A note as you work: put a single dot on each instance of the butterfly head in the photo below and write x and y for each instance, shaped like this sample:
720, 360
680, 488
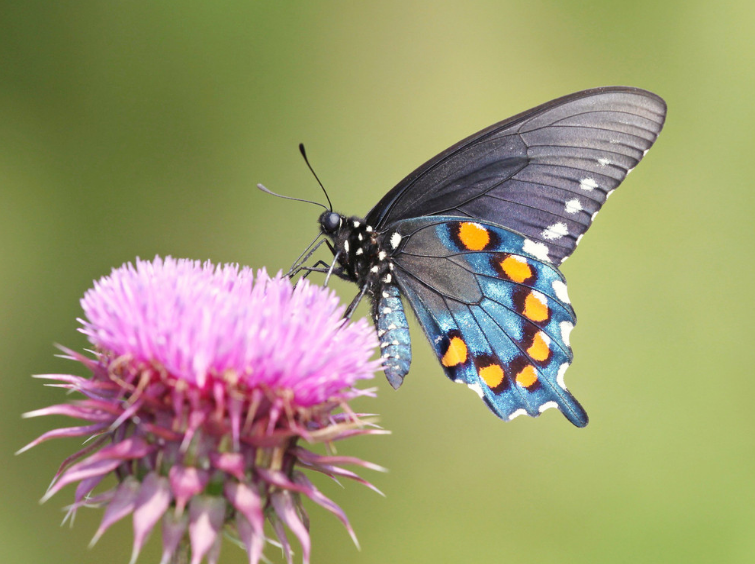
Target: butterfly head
330, 222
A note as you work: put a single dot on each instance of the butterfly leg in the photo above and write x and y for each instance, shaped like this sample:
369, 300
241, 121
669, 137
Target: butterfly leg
304, 257
355, 302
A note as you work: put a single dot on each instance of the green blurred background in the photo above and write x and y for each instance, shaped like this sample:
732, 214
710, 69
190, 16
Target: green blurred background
139, 128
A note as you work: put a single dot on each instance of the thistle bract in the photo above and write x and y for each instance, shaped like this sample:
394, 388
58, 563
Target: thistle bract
207, 385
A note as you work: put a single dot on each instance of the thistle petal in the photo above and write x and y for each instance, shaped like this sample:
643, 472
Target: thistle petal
122, 504
151, 503
186, 482
284, 507
174, 528
206, 515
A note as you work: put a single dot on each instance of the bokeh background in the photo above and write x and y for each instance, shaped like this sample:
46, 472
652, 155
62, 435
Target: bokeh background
140, 128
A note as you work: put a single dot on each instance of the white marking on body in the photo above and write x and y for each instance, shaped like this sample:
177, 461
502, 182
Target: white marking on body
382, 255
604, 162
387, 279
566, 328
547, 405
560, 289
560, 375
573, 206
395, 240
360, 251
476, 388
346, 246
517, 413
588, 184
386, 310
555, 231
537, 250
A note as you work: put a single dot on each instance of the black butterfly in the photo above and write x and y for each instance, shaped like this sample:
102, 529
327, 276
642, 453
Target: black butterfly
473, 237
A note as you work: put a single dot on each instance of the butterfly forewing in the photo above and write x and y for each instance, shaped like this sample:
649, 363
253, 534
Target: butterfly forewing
544, 173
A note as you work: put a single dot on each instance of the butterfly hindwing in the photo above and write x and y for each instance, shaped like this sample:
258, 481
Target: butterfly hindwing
498, 317
544, 173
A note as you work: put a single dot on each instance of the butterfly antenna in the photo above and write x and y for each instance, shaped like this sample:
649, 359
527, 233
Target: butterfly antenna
306, 160
268, 191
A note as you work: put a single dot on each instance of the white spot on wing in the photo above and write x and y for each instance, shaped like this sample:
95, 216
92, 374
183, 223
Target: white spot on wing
560, 375
368, 229
594, 216
603, 162
560, 289
395, 240
566, 328
579, 239
537, 250
517, 413
356, 223
386, 310
382, 255
346, 246
360, 250
374, 269
540, 297
608, 195
555, 231
547, 405
476, 388
573, 206
588, 184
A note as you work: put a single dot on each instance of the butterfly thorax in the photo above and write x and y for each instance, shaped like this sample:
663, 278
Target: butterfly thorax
359, 252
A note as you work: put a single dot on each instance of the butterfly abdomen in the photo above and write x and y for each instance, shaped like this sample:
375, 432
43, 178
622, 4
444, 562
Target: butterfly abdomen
393, 332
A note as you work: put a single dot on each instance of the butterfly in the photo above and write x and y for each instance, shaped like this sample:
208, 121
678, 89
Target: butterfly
473, 238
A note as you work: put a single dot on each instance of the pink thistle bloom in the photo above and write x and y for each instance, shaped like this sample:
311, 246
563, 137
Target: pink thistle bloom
206, 383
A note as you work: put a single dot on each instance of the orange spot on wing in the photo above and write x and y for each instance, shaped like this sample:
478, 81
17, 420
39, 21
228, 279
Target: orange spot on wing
516, 268
473, 236
527, 377
536, 307
456, 353
540, 349
492, 375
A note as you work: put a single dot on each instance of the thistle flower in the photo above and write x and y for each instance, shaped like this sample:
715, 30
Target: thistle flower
205, 383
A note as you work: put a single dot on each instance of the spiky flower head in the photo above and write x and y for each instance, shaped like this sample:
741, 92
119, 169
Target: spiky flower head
206, 381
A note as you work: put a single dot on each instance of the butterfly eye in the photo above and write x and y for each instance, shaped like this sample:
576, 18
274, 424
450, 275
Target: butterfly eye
330, 222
